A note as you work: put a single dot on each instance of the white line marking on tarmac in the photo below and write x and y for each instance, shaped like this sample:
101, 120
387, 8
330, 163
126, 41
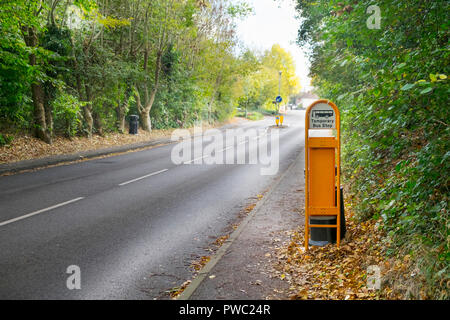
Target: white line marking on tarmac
39, 211
206, 156
190, 161
224, 149
242, 141
143, 177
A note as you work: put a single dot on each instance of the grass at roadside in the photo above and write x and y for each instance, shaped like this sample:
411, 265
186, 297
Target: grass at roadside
251, 115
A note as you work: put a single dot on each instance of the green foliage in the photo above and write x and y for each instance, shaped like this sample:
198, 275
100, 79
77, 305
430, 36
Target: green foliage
95, 62
392, 88
99, 53
67, 116
5, 139
255, 116
15, 72
260, 84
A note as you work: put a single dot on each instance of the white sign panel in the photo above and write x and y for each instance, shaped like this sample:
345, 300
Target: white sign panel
322, 116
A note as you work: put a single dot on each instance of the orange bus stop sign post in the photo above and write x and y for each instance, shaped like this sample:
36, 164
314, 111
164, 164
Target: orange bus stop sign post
322, 157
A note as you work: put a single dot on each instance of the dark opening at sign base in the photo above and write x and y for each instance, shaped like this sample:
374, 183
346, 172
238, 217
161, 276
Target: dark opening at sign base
324, 236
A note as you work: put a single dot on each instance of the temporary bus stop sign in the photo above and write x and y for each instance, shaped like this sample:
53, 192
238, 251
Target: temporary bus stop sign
322, 157
322, 116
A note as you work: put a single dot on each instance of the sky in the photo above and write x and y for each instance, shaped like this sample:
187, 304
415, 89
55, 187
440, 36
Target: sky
273, 21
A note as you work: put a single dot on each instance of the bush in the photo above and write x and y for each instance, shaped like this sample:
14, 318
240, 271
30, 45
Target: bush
392, 89
255, 116
67, 115
5, 140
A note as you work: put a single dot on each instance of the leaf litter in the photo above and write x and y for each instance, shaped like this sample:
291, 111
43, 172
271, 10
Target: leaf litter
336, 273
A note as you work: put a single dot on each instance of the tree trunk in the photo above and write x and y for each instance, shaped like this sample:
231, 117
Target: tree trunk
144, 111
120, 124
48, 114
37, 91
121, 110
98, 123
87, 112
144, 117
87, 109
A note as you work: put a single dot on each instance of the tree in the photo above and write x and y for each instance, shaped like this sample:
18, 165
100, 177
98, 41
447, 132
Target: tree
81, 66
24, 17
258, 85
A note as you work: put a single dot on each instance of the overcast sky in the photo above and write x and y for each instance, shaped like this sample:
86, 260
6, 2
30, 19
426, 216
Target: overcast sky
275, 22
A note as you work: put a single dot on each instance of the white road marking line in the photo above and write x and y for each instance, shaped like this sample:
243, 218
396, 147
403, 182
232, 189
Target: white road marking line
206, 156
240, 142
143, 177
190, 161
39, 211
226, 148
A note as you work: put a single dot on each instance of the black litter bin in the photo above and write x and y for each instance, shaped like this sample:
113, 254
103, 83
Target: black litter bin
134, 124
323, 236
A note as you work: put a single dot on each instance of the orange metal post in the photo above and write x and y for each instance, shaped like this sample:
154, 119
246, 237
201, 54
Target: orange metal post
322, 156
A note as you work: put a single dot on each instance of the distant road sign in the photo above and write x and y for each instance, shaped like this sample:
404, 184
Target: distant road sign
278, 99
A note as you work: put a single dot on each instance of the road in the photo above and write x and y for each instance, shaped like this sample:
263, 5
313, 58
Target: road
132, 223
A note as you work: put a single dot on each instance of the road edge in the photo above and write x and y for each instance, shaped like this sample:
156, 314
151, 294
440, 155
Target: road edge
16, 167
61, 159
197, 281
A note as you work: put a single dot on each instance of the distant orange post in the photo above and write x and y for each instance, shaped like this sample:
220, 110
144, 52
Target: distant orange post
322, 156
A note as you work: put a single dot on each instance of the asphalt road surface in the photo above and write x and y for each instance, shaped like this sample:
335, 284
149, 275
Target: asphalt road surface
131, 223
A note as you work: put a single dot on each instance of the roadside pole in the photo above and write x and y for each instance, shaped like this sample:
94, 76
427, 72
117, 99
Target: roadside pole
279, 90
